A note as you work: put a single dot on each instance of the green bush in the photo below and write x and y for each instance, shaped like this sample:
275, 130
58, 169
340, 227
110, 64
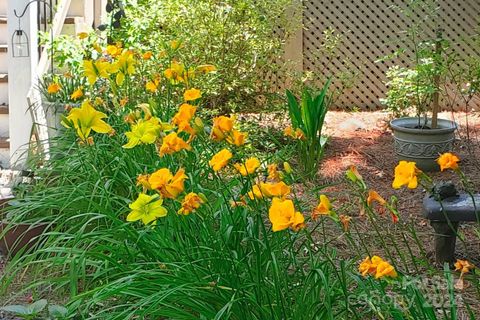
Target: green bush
243, 39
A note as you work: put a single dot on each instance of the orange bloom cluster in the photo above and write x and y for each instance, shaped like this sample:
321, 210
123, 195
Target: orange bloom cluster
377, 267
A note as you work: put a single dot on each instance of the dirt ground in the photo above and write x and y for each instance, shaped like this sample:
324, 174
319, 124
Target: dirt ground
364, 139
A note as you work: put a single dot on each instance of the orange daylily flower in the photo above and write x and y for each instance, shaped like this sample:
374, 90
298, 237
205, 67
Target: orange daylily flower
220, 159
282, 215
295, 134
279, 189
353, 174
377, 267
249, 167
374, 196
183, 117
448, 161
406, 174
464, 266
221, 127
192, 94
169, 186
77, 94
190, 203
142, 180
172, 143
53, 88
323, 208
237, 138
273, 173
147, 55
345, 221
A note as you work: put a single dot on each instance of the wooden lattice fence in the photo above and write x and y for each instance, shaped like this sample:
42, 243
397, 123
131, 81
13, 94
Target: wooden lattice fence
372, 29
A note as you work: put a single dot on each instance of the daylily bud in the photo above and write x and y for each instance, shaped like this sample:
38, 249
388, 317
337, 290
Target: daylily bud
198, 125
287, 167
203, 197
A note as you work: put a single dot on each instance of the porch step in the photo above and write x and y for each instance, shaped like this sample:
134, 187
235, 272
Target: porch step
4, 143
68, 19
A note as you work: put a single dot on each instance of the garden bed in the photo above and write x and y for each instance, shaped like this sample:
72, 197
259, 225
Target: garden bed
363, 139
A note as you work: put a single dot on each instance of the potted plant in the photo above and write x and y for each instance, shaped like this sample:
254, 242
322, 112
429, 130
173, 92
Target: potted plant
22, 236
423, 137
59, 93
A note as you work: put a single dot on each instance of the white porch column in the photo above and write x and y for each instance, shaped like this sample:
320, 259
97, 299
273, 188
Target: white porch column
20, 74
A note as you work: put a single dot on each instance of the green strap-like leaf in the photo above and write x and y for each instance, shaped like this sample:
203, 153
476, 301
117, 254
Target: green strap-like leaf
294, 110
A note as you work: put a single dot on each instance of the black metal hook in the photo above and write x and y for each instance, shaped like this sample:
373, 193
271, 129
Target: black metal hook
28, 4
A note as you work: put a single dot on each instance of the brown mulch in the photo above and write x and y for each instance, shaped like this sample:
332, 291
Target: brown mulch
371, 151
364, 139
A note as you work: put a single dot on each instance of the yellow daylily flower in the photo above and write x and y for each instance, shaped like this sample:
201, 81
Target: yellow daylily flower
113, 50
95, 69
385, 269
405, 174
146, 208
448, 161
206, 68
256, 193
220, 159
282, 215
151, 86
82, 35
142, 132
287, 167
85, 119
249, 167
175, 73
175, 44
125, 65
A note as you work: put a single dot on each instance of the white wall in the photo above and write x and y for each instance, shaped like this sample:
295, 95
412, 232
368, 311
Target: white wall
20, 73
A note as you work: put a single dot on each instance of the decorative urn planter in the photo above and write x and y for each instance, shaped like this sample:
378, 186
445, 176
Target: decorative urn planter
53, 114
22, 236
422, 146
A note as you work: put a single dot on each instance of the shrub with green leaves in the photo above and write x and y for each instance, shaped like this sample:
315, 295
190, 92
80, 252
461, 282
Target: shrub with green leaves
244, 39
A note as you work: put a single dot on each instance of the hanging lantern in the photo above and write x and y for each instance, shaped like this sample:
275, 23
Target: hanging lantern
20, 44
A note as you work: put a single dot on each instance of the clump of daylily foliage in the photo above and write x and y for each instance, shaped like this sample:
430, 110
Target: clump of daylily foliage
175, 215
